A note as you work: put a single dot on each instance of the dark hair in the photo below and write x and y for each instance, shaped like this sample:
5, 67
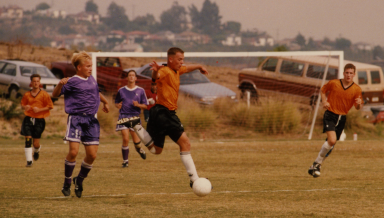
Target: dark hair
350, 66
35, 75
174, 50
131, 71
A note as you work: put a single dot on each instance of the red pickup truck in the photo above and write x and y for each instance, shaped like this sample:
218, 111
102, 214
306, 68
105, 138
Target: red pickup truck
110, 74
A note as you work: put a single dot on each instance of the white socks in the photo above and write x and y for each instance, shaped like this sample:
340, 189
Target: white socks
28, 153
36, 150
324, 150
187, 160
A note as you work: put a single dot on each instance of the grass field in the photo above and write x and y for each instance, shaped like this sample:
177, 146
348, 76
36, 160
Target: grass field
250, 179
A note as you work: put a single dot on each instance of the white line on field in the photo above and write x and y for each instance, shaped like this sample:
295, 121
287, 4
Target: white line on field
185, 193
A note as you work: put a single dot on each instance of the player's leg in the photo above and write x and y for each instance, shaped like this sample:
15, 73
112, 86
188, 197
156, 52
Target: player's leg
26, 131
69, 166
186, 158
124, 147
137, 142
86, 166
327, 147
36, 148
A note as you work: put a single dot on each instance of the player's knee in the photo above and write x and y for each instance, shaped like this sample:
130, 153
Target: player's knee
331, 142
72, 154
28, 142
91, 156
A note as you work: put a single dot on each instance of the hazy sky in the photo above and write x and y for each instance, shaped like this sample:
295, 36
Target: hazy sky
357, 20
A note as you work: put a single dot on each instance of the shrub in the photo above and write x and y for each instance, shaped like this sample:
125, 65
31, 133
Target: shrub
10, 109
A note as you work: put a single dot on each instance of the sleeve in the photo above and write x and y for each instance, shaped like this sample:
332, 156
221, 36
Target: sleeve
326, 87
48, 101
24, 100
163, 73
182, 70
143, 98
118, 97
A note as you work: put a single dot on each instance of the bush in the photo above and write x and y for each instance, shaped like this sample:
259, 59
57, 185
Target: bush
10, 109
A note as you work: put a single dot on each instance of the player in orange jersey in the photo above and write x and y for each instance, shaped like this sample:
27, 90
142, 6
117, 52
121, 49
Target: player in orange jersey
163, 120
36, 105
338, 97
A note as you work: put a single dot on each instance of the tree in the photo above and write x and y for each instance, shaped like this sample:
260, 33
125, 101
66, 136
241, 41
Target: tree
66, 30
174, 19
232, 27
42, 6
311, 45
145, 23
378, 53
208, 21
342, 43
300, 40
116, 18
90, 6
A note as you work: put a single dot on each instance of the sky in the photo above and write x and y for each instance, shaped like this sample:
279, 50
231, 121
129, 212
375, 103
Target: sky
356, 20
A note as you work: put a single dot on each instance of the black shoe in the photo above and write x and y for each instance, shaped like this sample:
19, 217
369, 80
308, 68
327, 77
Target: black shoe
36, 156
314, 170
66, 189
78, 188
125, 164
141, 152
29, 164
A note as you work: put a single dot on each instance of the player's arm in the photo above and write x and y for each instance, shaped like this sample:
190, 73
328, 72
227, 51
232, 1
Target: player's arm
324, 100
358, 102
192, 67
56, 92
119, 105
141, 106
155, 70
105, 102
38, 110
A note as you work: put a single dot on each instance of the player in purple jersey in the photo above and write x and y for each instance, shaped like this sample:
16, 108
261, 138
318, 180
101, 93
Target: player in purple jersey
82, 100
130, 99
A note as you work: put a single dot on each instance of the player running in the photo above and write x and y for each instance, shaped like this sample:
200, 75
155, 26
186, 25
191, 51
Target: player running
36, 105
82, 100
162, 117
338, 97
130, 99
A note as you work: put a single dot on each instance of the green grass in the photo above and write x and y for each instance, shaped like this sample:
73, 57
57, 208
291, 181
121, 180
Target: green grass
250, 179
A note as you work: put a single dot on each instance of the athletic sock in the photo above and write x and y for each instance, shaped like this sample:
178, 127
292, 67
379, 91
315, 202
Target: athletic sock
28, 153
125, 153
323, 151
137, 144
187, 160
69, 166
85, 168
36, 150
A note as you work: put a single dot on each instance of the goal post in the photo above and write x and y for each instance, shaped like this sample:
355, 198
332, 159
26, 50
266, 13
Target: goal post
250, 61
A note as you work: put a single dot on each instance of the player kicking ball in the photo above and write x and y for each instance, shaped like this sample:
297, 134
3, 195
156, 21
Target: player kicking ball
82, 99
163, 120
338, 97
130, 99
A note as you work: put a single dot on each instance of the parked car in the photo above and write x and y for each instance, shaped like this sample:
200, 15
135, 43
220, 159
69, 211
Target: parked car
15, 77
110, 76
193, 84
301, 76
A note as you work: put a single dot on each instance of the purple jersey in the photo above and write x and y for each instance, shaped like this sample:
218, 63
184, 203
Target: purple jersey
127, 96
81, 95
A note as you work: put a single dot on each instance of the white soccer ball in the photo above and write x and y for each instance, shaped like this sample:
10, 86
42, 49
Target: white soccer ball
201, 187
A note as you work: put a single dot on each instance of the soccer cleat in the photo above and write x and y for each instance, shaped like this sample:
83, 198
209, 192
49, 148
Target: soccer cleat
36, 156
29, 164
78, 188
125, 164
141, 152
129, 122
314, 170
66, 189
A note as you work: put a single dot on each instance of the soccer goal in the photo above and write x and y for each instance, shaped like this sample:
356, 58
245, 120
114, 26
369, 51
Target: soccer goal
266, 95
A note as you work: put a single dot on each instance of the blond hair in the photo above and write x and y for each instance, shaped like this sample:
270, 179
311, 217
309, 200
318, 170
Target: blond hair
80, 58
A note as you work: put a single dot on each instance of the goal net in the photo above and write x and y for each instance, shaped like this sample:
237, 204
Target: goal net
247, 95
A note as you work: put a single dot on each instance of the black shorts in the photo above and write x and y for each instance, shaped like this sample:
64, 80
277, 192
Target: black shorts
33, 127
163, 122
334, 122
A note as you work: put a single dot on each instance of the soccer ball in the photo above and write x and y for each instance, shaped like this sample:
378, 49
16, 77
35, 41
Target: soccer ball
201, 187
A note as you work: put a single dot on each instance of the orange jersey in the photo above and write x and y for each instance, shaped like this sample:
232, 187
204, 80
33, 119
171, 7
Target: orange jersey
168, 83
41, 100
340, 99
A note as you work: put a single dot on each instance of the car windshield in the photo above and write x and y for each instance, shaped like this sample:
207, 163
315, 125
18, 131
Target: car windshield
42, 71
193, 77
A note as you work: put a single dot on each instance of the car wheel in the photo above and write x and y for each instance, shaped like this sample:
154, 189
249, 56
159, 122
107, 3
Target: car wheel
254, 97
13, 94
